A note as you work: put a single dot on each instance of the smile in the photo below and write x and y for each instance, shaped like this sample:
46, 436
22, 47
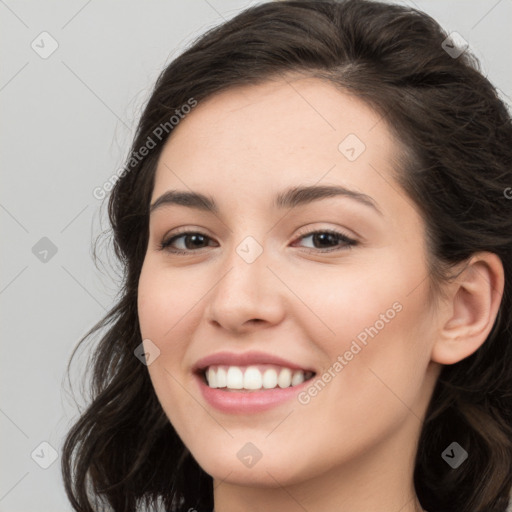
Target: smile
249, 382
254, 377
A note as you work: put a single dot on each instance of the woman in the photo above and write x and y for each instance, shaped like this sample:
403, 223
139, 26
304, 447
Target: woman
316, 231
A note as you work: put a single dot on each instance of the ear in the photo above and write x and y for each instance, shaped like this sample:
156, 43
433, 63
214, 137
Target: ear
471, 307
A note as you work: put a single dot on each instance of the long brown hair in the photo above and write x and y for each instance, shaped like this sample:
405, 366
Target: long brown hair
122, 452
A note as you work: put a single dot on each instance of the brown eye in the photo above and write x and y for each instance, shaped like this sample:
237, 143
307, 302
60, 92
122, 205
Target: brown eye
192, 240
330, 239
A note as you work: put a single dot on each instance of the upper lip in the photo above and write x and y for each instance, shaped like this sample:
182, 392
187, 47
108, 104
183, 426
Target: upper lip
245, 359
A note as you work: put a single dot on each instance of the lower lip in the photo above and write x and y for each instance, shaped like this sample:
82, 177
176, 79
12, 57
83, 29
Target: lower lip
244, 402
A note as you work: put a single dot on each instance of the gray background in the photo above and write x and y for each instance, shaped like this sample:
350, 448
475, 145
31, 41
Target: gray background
67, 123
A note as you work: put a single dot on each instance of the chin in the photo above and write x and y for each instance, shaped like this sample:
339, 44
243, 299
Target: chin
266, 472
262, 476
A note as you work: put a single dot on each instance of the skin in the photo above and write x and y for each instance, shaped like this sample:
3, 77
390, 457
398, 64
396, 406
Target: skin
352, 447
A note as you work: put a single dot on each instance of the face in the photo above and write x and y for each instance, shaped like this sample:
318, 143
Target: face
336, 285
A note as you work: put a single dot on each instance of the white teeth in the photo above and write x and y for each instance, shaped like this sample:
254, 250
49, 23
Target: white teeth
212, 378
234, 378
221, 377
297, 378
254, 377
285, 378
270, 379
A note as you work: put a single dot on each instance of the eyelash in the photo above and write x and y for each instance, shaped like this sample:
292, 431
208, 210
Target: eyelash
349, 242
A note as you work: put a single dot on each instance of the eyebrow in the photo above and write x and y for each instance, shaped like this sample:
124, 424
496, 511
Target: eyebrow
291, 198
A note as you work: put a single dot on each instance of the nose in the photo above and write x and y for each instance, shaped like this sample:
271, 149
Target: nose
248, 296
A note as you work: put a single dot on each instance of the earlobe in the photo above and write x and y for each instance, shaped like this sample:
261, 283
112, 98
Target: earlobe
473, 302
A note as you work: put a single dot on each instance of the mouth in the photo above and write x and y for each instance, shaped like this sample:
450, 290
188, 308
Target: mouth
253, 378
250, 382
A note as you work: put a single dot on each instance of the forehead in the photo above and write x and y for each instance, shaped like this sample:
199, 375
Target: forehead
266, 137
294, 111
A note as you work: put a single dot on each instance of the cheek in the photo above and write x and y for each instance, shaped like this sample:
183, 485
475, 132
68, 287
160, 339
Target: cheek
379, 332
166, 303
357, 301
165, 309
